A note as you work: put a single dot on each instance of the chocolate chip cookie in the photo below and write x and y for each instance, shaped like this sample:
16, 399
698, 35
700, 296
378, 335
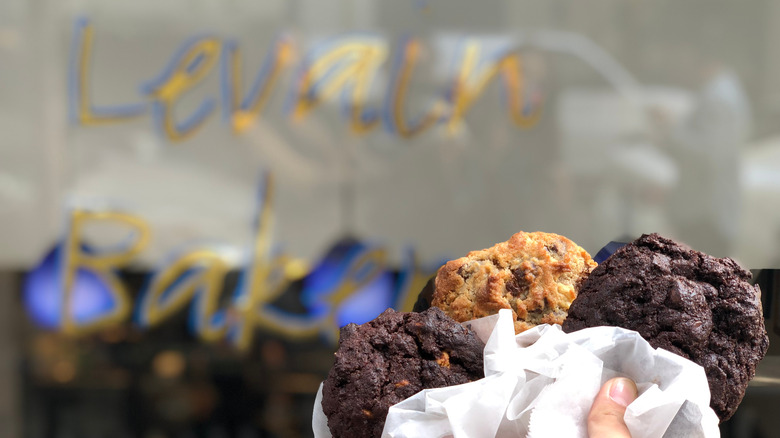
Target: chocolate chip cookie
536, 275
698, 306
391, 358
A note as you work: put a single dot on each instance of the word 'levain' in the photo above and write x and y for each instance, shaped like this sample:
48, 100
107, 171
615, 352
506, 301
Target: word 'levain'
343, 67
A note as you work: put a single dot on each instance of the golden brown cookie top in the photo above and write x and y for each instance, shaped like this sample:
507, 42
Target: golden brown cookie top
534, 274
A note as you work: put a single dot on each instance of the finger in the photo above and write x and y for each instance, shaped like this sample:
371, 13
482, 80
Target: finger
606, 416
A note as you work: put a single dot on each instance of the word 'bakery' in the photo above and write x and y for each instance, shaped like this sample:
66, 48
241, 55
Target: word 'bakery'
196, 277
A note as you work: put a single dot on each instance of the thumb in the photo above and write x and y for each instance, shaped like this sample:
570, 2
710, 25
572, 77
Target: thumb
606, 415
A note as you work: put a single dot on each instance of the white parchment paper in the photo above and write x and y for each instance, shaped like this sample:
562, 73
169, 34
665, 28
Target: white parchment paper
542, 382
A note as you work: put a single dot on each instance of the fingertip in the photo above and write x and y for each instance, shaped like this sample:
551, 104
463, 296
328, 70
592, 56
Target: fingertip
605, 419
622, 391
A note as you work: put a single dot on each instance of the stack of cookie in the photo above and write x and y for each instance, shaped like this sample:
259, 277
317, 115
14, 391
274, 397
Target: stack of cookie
697, 306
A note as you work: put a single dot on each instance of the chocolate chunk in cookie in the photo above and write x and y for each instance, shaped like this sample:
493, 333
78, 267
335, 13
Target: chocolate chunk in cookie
698, 306
536, 275
391, 358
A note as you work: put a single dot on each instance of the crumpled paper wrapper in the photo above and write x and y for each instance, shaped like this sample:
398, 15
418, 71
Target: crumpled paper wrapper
542, 382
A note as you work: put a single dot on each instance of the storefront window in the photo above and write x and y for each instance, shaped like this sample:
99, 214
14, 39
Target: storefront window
185, 186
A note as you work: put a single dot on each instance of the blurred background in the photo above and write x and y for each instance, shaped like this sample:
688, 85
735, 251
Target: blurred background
196, 194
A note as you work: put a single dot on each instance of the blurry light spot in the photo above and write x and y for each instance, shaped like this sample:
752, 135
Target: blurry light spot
112, 335
300, 383
45, 345
168, 364
765, 381
63, 371
345, 261
91, 297
274, 354
277, 412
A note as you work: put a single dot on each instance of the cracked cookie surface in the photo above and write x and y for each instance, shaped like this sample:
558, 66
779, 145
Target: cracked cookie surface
698, 306
391, 358
536, 275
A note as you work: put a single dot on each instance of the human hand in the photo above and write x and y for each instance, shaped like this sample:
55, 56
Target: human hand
605, 419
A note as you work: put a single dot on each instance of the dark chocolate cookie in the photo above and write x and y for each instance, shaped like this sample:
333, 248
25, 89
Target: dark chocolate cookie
698, 306
384, 361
